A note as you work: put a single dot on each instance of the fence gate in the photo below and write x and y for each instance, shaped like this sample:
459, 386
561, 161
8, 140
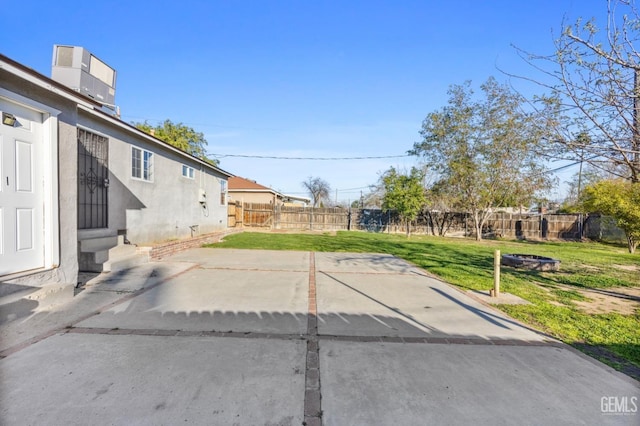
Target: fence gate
234, 215
231, 215
258, 214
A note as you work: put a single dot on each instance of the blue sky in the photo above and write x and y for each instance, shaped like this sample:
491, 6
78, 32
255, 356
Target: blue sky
295, 78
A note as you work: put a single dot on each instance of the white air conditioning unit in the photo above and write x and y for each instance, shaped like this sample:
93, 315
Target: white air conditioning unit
78, 69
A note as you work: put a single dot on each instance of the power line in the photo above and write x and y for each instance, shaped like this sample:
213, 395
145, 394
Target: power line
269, 157
221, 126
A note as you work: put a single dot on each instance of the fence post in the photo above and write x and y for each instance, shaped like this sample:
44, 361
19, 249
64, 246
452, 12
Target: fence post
580, 226
389, 222
276, 216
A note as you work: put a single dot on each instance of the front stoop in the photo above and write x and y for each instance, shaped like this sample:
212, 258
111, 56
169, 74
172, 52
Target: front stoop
108, 254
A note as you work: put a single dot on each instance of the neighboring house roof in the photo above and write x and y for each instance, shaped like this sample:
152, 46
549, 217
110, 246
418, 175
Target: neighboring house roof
91, 106
237, 183
240, 184
294, 198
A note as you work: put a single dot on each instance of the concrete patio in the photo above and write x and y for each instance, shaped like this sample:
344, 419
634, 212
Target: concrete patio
212, 336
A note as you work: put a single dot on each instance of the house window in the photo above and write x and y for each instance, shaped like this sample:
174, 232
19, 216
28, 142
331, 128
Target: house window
141, 164
187, 172
223, 192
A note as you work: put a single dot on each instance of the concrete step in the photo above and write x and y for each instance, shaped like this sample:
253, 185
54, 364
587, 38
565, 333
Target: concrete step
99, 254
19, 301
125, 262
122, 250
98, 244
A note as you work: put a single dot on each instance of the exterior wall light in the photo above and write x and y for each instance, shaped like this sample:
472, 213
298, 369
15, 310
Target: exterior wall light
8, 119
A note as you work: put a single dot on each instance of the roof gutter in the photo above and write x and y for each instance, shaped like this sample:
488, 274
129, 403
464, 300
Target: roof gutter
88, 105
132, 129
44, 82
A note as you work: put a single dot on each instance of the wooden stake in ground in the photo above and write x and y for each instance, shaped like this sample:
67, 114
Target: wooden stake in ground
495, 291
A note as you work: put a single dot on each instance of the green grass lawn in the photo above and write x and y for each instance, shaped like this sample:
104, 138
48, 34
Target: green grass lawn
468, 264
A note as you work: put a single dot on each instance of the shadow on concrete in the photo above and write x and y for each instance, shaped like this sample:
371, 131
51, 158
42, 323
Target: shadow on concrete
17, 309
408, 318
487, 316
23, 319
607, 353
217, 305
274, 325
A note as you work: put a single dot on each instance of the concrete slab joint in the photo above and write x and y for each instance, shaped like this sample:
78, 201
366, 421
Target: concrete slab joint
312, 393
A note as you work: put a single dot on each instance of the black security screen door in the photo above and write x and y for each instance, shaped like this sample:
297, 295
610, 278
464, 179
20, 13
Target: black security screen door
93, 180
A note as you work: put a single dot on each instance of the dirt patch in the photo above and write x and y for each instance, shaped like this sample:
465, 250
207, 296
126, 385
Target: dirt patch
590, 268
621, 300
630, 268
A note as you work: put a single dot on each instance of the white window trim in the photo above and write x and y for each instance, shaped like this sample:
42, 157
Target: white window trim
142, 152
189, 169
224, 188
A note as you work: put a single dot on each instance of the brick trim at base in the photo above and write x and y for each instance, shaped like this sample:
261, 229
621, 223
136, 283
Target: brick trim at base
167, 249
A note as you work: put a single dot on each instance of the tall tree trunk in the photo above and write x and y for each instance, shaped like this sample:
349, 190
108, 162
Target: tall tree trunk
477, 224
635, 145
432, 223
632, 244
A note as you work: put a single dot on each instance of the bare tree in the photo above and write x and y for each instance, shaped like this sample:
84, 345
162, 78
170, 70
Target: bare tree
318, 189
594, 80
439, 208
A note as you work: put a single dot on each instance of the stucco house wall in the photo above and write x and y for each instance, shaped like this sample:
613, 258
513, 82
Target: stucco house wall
166, 207
169, 207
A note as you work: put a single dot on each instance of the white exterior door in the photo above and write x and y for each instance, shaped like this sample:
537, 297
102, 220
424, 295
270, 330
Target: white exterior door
21, 190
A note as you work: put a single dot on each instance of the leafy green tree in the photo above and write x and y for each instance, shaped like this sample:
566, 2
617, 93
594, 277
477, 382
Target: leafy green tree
485, 151
620, 199
578, 182
180, 136
441, 206
404, 193
318, 188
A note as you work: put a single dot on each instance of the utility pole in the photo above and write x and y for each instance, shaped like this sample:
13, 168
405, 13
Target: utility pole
578, 194
580, 175
582, 141
635, 143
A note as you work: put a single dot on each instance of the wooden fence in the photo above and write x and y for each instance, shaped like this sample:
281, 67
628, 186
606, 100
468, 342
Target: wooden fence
500, 224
